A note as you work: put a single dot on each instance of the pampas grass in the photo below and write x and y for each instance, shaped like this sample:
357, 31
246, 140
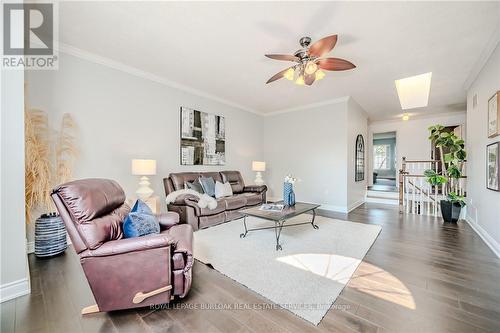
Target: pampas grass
37, 162
41, 175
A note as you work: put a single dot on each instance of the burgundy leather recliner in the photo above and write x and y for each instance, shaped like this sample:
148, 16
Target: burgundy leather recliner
123, 272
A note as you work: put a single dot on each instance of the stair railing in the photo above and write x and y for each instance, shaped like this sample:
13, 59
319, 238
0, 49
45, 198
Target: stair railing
416, 195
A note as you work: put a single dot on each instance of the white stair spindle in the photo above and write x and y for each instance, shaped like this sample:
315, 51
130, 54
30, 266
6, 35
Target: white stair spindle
413, 196
428, 189
407, 195
421, 195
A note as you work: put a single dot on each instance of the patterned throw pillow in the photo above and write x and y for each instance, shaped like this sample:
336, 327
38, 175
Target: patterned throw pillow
195, 185
140, 221
208, 185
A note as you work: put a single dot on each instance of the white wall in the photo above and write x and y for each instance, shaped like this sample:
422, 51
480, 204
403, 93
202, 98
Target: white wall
357, 123
14, 276
308, 145
483, 209
411, 136
121, 116
316, 145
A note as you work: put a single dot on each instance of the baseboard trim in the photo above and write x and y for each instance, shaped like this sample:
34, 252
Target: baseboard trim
333, 208
490, 242
14, 289
355, 205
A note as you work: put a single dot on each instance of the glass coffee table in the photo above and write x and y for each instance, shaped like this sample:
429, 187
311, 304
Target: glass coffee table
279, 218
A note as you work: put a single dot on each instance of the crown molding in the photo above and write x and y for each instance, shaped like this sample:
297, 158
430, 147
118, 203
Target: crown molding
492, 44
308, 106
362, 109
104, 61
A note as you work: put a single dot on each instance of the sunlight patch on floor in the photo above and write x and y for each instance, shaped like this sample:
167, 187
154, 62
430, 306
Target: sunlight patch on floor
377, 282
334, 267
368, 278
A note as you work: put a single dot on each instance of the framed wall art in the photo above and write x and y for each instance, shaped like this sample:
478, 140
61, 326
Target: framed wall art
494, 115
492, 166
203, 138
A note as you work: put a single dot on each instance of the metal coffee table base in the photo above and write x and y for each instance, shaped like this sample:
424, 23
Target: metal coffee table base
278, 226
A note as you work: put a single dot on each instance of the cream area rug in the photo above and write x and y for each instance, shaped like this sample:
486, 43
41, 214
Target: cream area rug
306, 276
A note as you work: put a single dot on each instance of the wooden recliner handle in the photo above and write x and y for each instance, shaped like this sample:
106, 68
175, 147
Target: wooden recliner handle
140, 296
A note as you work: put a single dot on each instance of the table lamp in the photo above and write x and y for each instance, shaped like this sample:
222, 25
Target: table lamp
259, 167
144, 168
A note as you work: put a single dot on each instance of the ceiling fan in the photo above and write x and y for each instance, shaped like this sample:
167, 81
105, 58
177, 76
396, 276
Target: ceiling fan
309, 62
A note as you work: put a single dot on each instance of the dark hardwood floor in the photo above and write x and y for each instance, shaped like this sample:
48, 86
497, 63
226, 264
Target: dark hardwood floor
419, 276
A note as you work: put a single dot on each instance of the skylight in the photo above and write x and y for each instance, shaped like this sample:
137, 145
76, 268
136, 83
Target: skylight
413, 91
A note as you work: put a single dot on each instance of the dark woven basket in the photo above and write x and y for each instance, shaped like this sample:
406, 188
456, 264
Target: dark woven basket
50, 236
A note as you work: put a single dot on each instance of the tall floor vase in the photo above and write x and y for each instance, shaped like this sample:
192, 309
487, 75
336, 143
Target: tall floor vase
50, 235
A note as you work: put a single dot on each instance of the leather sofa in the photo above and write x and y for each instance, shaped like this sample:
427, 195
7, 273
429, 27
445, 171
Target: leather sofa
227, 208
123, 272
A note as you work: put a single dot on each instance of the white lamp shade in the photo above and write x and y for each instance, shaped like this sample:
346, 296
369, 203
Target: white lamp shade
144, 167
258, 166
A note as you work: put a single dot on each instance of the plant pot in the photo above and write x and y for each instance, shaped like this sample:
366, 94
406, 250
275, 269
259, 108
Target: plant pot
50, 235
450, 211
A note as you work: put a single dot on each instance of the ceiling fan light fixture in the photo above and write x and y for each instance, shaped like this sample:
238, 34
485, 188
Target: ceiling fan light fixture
310, 62
319, 75
289, 74
300, 80
311, 67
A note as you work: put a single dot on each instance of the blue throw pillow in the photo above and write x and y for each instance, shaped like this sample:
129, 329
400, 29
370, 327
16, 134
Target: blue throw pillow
140, 221
208, 185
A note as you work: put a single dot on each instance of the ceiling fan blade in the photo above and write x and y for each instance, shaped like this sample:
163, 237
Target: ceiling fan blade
309, 79
278, 75
322, 46
284, 57
335, 64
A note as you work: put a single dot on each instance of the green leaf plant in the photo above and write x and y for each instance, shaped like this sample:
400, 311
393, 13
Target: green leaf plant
453, 155
455, 198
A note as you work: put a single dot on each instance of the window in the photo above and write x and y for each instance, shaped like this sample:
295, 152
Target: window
381, 157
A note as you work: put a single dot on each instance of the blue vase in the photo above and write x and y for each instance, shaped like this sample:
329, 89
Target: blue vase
288, 194
291, 198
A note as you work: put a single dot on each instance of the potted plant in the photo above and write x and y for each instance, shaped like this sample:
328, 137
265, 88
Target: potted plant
452, 155
48, 162
451, 207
